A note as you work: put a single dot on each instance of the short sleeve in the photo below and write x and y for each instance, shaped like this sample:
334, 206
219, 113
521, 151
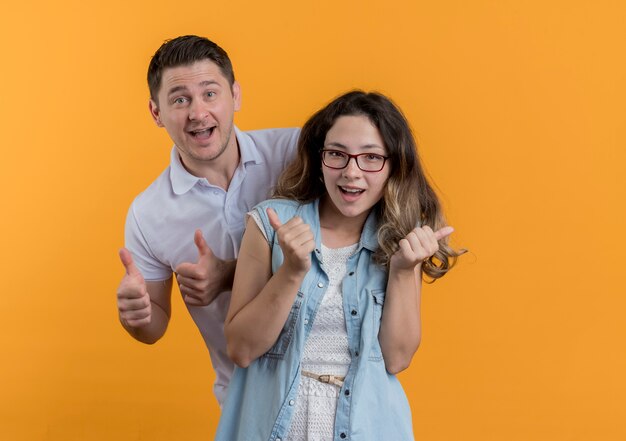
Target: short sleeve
151, 268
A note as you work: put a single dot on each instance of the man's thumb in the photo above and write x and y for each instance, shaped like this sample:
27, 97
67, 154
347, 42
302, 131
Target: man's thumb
203, 247
129, 264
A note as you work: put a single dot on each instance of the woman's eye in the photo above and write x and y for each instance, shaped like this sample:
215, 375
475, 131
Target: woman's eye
374, 158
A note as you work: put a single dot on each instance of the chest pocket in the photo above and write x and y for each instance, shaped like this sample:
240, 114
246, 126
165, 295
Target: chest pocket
378, 299
286, 334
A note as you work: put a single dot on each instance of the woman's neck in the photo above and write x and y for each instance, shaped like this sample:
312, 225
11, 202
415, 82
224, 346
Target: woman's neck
338, 230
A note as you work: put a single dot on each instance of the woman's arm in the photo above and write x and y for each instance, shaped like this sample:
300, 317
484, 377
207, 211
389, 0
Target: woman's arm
260, 302
401, 328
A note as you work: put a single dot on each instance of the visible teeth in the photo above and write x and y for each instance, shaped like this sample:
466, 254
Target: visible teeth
351, 190
198, 132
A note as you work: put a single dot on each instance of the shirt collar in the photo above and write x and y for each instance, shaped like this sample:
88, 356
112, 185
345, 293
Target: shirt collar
183, 181
369, 236
247, 149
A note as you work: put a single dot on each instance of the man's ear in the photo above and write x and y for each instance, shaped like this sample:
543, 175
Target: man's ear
155, 112
237, 96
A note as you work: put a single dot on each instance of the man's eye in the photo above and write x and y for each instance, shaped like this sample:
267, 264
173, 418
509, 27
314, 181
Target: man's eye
210, 94
180, 100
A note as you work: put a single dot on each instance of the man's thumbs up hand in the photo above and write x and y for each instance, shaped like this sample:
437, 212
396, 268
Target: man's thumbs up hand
201, 282
133, 300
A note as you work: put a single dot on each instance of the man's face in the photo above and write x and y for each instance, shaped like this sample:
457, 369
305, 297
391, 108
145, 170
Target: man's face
196, 106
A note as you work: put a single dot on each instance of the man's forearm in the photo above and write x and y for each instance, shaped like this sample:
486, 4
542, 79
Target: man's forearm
159, 312
151, 332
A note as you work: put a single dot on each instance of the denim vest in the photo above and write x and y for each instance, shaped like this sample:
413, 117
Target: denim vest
372, 405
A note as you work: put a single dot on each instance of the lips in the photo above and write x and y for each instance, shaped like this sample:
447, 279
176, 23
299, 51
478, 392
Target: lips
202, 133
351, 191
350, 194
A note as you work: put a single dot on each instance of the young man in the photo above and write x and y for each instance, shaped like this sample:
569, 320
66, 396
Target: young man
190, 220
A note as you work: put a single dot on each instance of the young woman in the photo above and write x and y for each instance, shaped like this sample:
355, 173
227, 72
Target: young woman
325, 307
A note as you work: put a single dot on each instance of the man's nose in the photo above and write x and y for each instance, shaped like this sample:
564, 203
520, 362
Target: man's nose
198, 110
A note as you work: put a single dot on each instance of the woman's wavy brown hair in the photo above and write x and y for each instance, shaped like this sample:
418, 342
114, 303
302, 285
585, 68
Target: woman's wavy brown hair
408, 199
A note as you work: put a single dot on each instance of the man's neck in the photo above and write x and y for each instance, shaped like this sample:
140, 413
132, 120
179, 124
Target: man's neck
218, 171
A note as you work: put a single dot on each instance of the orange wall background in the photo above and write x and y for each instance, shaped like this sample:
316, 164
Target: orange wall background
519, 111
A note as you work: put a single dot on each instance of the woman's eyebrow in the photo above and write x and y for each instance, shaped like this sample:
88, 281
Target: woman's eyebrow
341, 146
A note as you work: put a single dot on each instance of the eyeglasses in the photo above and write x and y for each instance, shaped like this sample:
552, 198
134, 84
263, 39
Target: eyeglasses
369, 162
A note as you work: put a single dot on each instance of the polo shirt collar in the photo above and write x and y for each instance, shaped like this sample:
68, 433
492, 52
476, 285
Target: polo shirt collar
182, 180
247, 149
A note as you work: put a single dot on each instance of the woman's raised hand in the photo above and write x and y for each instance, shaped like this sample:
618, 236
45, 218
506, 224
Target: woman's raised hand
419, 245
296, 241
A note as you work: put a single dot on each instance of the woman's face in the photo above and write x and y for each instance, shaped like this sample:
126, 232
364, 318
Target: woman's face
353, 191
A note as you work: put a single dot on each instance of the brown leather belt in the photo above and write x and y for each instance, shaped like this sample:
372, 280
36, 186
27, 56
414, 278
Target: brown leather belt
329, 379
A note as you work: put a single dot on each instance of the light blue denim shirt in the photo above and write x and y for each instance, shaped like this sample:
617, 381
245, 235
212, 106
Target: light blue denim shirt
372, 405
